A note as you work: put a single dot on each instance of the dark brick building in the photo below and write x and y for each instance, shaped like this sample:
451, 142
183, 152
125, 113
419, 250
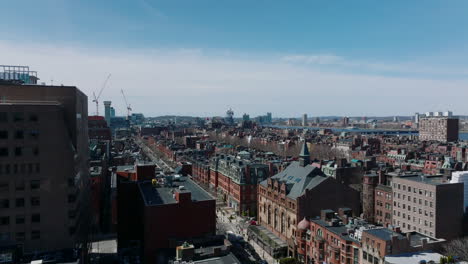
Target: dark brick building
160, 215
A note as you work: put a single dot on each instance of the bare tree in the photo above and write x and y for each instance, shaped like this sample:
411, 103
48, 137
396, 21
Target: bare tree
457, 248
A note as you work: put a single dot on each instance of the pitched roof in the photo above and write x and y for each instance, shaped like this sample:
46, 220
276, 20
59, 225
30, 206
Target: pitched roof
298, 179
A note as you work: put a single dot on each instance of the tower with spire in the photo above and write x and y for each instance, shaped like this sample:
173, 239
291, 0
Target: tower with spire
304, 156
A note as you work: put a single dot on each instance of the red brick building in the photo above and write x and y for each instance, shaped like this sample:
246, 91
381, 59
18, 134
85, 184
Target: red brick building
299, 191
236, 181
325, 240
98, 128
383, 205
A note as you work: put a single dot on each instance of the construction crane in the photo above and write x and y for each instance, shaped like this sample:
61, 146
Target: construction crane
129, 109
96, 98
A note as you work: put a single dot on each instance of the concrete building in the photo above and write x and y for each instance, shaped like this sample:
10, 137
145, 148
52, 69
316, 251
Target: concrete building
44, 183
462, 177
428, 205
440, 128
107, 112
304, 120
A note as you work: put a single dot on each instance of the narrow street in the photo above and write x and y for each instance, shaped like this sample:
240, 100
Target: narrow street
227, 220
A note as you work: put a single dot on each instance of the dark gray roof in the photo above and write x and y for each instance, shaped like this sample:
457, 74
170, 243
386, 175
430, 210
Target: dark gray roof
228, 259
298, 179
164, 195
384, 233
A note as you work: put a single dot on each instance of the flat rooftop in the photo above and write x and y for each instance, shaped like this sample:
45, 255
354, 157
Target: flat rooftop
427, 179
164, 195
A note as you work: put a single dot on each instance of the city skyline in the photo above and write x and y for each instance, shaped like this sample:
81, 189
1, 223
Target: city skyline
359, 59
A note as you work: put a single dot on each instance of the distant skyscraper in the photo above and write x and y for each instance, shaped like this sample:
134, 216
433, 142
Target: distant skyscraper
317, 120
269, 119
345, 121
396, 119
107, 111
230, 116
304, 120
246, 117
112, 112
416, 118
364, 119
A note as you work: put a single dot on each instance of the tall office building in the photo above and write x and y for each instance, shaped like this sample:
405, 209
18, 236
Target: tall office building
43, 166
304, 120
107, 112
269, 118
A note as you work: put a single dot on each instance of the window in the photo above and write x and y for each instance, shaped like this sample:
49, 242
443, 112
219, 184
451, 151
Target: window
35, 218
3, 117
71, 230
3, 134
35, 184
3, 152
19, 202
38, 168
33, 117
35, 151
18, 116
35, 234
34, 134
20, 236
19, 134
72, 214
409, 188
4, 220
72, 198
4, 203
20, 219
18, 151
35, 201
19, 185
4, 186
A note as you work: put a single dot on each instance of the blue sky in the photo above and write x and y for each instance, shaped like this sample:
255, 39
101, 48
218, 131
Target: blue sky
254, 56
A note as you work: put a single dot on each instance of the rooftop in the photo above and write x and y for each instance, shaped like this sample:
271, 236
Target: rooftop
427, 179
298, 179
165, 195
384, 233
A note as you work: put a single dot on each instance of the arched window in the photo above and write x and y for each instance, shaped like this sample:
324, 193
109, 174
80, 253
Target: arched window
282, 222
319, 233
269, 214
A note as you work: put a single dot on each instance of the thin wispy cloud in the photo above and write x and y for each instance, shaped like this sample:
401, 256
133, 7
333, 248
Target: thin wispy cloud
364, 66
196, 82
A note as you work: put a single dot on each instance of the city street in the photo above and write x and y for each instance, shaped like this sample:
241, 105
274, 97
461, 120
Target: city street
227, 220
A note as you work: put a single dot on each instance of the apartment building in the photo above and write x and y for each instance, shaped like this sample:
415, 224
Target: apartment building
443, 129
428, 204
43, 166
